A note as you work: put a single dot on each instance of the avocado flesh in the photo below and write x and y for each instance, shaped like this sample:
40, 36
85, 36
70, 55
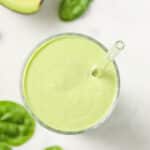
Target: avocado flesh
22, 6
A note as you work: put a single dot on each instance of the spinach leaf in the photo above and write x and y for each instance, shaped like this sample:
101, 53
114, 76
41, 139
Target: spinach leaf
4, 146
72, 9
16, 125
54, 148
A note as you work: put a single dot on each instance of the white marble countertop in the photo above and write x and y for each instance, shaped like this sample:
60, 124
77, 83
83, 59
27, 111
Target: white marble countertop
108, 21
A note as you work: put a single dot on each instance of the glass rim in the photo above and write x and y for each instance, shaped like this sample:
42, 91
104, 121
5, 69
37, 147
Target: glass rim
37, 119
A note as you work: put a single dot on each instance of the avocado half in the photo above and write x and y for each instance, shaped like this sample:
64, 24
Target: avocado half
22, 6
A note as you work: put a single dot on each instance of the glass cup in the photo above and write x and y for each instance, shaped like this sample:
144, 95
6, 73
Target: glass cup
116, 45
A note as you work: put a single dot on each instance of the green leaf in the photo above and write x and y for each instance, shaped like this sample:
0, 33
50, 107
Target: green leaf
16, 125
54, 148
4, 146
72, 9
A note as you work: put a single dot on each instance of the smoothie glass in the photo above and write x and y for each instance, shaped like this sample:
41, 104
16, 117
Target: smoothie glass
35, 114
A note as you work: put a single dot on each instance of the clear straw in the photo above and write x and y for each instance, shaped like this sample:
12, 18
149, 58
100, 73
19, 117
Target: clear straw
111, 55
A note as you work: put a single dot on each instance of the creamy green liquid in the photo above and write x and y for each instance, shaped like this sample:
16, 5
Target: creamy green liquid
59, 88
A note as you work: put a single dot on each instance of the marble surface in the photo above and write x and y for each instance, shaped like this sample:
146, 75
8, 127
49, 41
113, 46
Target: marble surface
108, 21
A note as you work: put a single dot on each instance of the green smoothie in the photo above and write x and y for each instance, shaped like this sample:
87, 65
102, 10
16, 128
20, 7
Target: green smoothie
61, 91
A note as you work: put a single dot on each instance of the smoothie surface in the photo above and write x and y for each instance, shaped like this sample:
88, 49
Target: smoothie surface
59, 88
